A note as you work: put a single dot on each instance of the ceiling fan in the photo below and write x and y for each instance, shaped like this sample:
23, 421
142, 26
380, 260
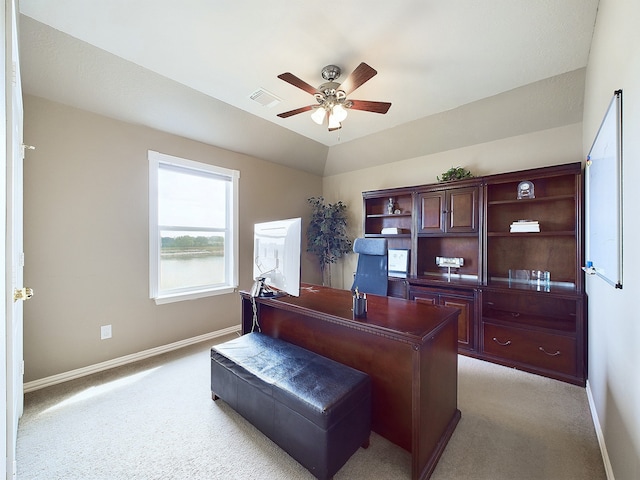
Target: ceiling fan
332, 96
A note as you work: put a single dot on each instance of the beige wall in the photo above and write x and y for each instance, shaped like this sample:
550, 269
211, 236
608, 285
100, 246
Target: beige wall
548, 147
86, 237
614, 321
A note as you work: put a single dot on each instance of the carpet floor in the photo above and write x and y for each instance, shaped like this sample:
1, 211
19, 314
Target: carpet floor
155, 420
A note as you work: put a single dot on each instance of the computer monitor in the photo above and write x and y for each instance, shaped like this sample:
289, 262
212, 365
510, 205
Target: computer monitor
276, 255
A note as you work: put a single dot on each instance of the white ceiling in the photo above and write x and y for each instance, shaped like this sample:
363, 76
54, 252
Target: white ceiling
189, 67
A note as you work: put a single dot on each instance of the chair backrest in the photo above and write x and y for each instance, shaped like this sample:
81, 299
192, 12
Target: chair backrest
371, 272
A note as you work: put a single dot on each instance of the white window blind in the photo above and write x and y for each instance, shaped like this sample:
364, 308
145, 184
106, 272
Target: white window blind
192, 228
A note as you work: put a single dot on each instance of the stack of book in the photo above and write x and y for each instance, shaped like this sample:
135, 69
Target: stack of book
523, 226
392, 231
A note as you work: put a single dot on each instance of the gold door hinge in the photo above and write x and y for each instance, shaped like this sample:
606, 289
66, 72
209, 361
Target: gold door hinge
23, 293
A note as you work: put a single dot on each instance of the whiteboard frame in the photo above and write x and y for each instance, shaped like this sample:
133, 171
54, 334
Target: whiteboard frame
614, 114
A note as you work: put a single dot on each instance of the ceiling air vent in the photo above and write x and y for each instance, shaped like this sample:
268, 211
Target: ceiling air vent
264, 98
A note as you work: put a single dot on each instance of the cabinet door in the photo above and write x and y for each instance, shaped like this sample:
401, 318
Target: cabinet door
397, 288
432, 207
462, 210
449, 211
465, 318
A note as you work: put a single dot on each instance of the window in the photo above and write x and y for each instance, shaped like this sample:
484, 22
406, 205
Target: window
193, 222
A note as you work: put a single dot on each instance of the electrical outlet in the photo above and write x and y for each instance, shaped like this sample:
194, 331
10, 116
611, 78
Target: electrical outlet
105, 332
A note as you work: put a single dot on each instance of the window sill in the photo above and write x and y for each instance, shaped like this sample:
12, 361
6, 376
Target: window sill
179, 297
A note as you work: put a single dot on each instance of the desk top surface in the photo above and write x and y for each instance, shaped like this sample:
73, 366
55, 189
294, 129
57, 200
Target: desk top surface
392, 315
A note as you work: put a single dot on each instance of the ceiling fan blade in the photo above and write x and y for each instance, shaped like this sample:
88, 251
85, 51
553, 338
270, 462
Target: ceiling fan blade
296, 111
361, 74
296, 82
368, 106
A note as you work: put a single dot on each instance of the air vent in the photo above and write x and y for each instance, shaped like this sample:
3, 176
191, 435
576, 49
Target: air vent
264, 98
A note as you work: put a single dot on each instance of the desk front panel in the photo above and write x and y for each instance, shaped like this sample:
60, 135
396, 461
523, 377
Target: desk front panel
388, 362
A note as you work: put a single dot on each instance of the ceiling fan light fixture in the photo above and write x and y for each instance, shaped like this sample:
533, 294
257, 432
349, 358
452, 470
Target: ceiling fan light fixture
318, 115
334, 123
332, 96
339, 112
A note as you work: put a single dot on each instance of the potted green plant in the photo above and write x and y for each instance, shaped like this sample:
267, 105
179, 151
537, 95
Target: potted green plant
455, 173
327, 234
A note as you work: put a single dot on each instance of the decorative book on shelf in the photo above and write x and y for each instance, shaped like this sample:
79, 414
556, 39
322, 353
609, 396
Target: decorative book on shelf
393, 231
525, 226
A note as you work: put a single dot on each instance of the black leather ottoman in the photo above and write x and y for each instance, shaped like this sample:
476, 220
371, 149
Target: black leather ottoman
316, 409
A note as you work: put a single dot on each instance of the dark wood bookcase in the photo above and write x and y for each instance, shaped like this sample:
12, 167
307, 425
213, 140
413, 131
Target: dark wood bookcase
505, 317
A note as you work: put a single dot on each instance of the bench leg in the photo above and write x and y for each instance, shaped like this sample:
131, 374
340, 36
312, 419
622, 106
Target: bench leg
365, 444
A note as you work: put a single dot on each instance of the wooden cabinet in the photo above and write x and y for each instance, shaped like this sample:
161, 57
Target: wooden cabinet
463, 299
453, 210
448, 226
538, 326
430, 221
507, 317
539, 333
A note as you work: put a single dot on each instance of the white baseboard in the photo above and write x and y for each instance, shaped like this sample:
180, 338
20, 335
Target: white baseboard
600, 435
117, 362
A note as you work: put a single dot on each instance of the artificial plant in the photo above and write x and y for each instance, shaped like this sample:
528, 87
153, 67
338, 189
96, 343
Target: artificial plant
455, 173
327, 233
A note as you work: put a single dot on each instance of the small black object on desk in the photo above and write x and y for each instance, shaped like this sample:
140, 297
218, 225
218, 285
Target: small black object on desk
359, 304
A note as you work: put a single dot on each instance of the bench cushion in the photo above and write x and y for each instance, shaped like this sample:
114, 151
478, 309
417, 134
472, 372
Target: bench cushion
317, 387
316, 409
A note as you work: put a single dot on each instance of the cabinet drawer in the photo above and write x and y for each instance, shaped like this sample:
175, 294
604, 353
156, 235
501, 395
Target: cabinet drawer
531, 309
536, 349
531, 305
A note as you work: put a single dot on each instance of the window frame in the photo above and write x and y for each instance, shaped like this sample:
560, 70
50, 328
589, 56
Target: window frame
156, 159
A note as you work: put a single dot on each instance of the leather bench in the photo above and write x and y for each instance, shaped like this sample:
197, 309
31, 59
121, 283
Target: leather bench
315, 409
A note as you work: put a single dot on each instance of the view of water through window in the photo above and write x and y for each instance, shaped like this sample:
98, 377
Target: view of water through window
176, 272
192, 260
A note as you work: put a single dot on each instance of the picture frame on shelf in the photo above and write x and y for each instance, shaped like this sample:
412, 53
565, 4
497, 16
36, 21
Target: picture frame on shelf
398, 262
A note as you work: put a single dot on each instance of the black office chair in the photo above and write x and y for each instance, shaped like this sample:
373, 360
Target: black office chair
371, 273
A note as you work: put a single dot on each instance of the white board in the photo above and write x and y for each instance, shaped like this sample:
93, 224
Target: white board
604, 197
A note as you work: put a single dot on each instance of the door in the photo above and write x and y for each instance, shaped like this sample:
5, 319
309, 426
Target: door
14, 258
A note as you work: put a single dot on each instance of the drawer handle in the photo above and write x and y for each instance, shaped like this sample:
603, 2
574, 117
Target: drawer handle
550, 354
515, 314
508, 342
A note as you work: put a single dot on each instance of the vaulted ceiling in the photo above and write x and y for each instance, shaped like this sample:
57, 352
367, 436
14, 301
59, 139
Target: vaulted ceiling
191, 67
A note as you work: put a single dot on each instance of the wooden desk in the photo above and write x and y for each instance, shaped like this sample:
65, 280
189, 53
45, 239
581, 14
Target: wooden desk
408, 348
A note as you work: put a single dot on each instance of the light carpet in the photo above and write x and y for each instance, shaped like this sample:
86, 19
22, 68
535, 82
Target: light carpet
155, 420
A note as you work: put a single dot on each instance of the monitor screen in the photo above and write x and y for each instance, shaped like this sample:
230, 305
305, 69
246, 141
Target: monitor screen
276, 255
